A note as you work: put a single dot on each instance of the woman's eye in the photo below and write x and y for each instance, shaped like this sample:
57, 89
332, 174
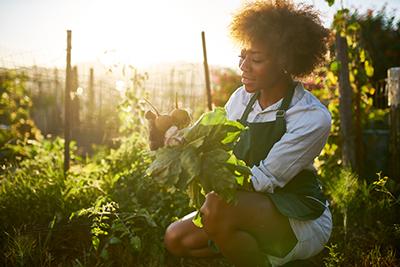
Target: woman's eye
243, 56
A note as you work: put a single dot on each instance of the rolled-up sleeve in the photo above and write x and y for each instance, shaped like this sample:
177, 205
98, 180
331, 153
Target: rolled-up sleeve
296, 150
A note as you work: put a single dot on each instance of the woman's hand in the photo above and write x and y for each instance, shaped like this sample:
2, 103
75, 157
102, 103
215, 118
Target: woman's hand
173, 136
247, 186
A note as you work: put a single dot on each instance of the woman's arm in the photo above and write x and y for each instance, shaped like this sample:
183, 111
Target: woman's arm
296, 150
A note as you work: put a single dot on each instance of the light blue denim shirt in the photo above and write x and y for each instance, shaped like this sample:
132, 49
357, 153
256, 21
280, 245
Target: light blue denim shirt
308, 123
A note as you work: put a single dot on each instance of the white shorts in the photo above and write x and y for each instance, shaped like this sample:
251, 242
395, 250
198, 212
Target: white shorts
312, 235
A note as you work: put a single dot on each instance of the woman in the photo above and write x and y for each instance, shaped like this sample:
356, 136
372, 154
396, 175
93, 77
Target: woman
286, 216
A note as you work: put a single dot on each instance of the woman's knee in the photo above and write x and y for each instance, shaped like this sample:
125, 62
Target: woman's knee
215, 215
173, 240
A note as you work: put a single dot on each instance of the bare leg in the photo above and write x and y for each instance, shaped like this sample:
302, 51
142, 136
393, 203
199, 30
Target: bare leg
241, 248
183, 238
246, 230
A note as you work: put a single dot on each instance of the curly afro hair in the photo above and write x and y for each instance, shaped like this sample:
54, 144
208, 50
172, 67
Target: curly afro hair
293, 33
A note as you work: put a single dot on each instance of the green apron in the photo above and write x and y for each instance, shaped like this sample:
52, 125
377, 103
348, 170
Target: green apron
302, 198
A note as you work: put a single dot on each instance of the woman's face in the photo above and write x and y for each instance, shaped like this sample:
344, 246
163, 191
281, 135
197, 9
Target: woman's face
259, 71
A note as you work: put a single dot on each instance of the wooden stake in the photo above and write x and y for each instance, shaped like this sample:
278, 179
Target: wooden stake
75, 106
67, 102
91, 97
394, 103
206, 72
345, 104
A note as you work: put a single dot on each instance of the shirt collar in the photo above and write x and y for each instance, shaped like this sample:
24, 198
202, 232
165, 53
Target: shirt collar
297, 95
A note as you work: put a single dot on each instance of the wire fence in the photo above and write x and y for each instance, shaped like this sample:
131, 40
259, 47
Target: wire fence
380, 96
95, 118
95, 103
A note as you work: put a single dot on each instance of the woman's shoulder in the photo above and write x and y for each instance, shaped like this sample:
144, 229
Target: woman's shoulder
237, 101
316, 104
310, 111
311, 102
240, 95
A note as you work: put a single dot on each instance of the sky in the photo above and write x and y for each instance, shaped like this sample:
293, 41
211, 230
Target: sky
140, 33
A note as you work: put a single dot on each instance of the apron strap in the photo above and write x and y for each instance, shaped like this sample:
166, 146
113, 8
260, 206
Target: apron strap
249, 108
288, 99
281, 112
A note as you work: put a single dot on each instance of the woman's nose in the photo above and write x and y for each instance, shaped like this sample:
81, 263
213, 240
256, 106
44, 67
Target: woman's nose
244, 64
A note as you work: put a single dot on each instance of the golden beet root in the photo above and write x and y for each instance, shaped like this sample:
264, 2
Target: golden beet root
163, 122
150, 115
180, 117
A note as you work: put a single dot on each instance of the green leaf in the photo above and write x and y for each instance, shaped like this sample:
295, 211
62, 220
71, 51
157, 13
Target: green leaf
174, 171
332, 78
354, 26
219, 178
215, 117
95, 242
231, 137
349, 40
369, 69
330, 2
197, 220
362, 55
335, 66
194, 192
196, 132
190, 161
136, 243
104, 254
217, 155
235, 124
242, 170
114, 240
240, 180
161, 165
197, 142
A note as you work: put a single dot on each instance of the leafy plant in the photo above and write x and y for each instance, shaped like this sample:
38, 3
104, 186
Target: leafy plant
342, 191
16, 125
334, 258
204, 162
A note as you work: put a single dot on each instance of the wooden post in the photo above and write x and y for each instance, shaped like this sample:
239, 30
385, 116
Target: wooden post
206, 72
359, 151
345, 105
56, 119
394, 122
67, 103
75, 104
91, 97
100, 114
91, 94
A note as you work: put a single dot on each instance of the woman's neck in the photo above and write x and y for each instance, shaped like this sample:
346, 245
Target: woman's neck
274, 93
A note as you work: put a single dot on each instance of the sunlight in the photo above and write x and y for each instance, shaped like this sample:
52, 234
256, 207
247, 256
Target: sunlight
135, 32
120, 86
79, 91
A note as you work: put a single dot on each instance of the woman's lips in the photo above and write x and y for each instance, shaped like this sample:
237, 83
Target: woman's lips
246, 80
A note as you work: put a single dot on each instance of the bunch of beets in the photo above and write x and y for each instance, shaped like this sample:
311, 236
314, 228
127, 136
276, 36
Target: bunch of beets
202, 161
